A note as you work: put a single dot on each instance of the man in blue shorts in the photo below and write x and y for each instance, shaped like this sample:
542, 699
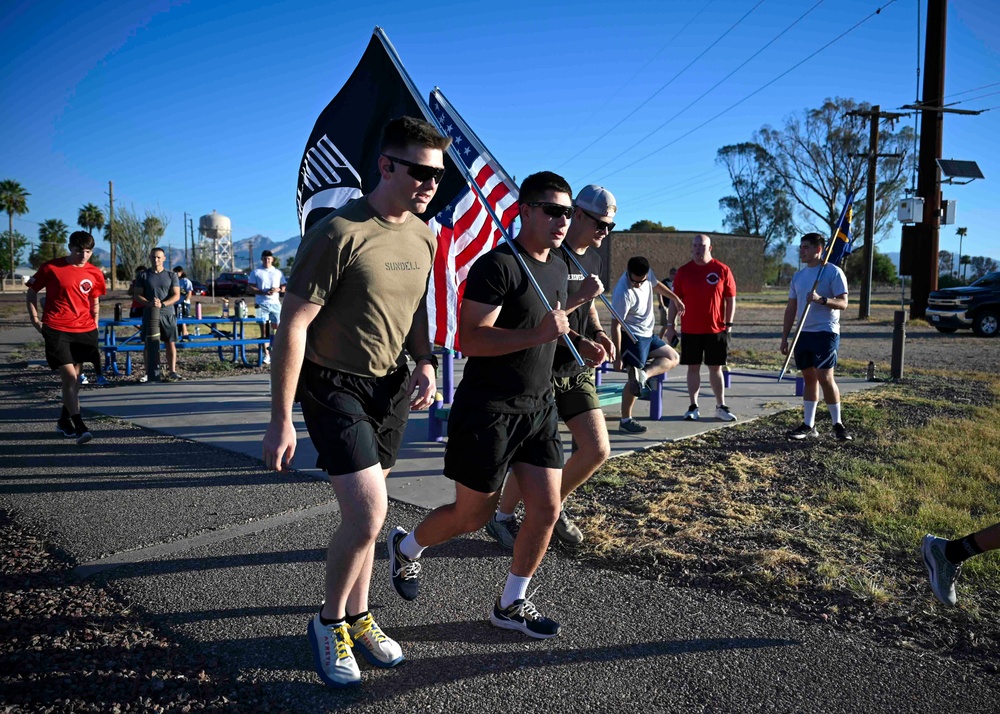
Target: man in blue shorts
267, 284
816, 350
650, 356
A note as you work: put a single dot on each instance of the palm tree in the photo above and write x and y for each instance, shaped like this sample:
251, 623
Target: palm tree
91, 218
154, 229
52, 235
13, 200
961, 232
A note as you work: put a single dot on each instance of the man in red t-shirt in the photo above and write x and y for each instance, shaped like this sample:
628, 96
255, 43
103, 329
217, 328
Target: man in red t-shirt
69, 323
708, 290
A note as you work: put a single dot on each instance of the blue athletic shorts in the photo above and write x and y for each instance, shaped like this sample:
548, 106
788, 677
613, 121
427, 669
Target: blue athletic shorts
636, 354
270, 313
817, 349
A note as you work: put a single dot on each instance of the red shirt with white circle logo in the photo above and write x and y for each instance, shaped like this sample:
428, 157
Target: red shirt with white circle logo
69, 290
703, 289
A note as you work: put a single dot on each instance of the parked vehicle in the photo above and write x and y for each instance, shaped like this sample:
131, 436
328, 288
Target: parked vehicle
199, 289
975, 307
231, 284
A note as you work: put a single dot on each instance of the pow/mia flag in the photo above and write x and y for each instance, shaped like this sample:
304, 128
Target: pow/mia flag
341, 156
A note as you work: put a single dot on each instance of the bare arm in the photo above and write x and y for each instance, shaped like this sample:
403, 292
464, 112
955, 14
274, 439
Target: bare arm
418, 344
175, 295
676, 303
31, 300
480, 338
288, 350
788, 322
729, 308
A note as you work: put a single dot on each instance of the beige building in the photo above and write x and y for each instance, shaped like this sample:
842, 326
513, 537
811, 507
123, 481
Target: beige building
743, 254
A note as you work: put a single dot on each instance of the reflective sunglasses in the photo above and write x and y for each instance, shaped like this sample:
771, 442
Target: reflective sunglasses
553, 210
421, 172
600, 224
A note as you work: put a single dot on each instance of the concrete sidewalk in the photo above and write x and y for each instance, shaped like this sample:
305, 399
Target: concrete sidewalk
228, 558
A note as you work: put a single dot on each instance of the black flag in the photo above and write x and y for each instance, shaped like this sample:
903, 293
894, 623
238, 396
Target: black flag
341, 158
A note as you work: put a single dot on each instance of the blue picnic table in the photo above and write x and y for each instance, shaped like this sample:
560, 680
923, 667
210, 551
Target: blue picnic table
222, 333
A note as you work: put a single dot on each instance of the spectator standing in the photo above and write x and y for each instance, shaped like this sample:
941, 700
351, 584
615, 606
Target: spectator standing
707, 287
136, 309
73, 289
665, 306
267, 284
160, 287
183, 307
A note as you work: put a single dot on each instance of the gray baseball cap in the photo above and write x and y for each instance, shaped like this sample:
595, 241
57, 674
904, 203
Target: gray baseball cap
597, 200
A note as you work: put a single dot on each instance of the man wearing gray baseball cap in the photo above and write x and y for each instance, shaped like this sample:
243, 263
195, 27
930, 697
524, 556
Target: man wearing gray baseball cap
573, 385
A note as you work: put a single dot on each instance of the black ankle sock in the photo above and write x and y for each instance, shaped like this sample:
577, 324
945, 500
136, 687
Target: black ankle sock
351, 619
64, 414
326, 622
76, 419
961, 549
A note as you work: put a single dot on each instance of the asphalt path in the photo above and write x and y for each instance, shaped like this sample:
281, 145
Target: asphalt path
227, 558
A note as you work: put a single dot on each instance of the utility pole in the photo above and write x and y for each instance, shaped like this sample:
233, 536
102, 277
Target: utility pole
111, 232
194, 252
250, 255
925, 253
186, 263
873, 115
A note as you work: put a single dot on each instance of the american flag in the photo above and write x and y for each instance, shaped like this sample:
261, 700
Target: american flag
464, 228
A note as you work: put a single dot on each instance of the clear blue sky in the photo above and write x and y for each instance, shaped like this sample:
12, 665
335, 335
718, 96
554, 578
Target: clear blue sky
195, 106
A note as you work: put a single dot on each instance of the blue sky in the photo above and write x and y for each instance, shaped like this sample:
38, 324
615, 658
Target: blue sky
195, 106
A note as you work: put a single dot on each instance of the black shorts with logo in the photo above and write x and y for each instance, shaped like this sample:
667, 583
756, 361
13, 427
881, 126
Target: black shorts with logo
71, 347
354, 422
483, 444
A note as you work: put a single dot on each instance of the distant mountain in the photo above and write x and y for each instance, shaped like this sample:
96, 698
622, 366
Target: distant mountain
242, 258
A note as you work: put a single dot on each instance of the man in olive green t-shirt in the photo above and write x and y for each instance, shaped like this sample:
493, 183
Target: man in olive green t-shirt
355, 300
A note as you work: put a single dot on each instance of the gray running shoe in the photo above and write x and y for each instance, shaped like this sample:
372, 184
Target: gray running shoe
524, 617
631, 426
567, 531
505, 531
941, 571
692, 413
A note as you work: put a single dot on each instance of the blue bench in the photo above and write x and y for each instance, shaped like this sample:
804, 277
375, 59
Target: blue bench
111, 351
607, 395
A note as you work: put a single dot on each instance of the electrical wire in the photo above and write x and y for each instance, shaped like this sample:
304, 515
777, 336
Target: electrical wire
714, 86
627, 82
755, 92
669, 82
971, 99
967, 91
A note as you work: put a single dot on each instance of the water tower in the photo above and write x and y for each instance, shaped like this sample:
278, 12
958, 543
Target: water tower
217, 229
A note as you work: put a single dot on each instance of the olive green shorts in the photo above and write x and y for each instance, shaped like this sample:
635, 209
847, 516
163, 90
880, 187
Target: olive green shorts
575, 395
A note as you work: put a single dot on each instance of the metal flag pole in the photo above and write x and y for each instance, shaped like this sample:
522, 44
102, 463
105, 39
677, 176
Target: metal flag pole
394, 56
826, 258
467, 130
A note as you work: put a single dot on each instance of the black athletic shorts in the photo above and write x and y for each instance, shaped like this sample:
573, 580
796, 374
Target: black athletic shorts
354, 422
71, 347
711, 349
483, 444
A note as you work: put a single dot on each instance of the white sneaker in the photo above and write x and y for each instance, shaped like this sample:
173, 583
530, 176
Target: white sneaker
267, 359
692, 413
83, 379
334, 660
723, 414
378, 648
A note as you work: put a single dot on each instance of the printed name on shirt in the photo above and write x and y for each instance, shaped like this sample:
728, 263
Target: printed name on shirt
406, 265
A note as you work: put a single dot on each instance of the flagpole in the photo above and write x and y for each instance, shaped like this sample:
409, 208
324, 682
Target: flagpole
394, 56
466, 129
805, 312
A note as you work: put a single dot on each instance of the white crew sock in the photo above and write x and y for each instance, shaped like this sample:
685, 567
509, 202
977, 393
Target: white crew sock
409, 547
500, 516
834, 412
809, 413
516, 588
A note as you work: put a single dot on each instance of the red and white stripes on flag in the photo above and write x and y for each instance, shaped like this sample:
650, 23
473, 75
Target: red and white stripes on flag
464, 229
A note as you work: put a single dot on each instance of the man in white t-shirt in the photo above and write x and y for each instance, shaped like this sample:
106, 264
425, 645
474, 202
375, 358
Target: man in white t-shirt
266, 284
819, 341
650, 356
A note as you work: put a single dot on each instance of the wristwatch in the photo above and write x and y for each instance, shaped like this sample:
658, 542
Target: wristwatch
429, 357
823, 300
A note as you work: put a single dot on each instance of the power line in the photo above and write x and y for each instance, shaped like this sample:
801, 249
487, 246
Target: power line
607, 101
756, 91
713, 87
679, 186
669, 82
968, 91
972, 99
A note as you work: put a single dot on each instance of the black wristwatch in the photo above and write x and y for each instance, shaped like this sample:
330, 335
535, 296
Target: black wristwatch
429, 357
823, 300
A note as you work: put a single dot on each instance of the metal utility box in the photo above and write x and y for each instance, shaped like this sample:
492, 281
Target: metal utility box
948, 212
911, 210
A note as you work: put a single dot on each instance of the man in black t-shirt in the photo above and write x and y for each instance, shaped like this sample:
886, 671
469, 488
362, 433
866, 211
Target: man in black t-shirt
575, 390
503, 413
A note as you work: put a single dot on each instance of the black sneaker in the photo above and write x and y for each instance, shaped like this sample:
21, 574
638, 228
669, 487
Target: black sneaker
403, 573
66, 428
802, 431
523, 617
840, 431
82, 433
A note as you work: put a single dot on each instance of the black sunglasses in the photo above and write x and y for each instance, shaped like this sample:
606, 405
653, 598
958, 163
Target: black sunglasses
421, 172
553, 210
600, 224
